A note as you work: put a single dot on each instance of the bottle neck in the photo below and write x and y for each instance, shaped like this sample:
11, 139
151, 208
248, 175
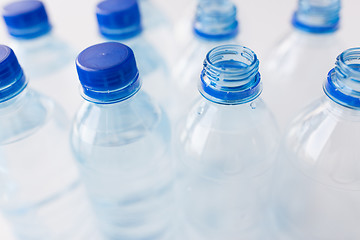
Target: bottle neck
14, 102
216, 20
343, 82
317, 16
230, 75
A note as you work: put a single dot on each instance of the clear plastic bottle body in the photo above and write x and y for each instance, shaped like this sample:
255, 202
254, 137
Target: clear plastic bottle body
40, 193
295, 71
47, 61
316, 192
42, 55
225, 158
123, 154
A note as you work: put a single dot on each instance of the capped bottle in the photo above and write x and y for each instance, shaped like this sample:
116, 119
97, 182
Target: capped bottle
317, 190
45, 57
40, 191
121, 21
225, 149
120, 138
297, 65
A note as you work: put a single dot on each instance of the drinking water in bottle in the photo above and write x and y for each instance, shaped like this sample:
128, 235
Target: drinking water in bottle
317, 190
44, 56
121, 140
40, 191
296, 67
226, 146
215, 23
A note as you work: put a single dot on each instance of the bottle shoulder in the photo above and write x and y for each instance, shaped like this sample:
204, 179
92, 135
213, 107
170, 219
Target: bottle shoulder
232, 140
28, 113
322, 142
120, 123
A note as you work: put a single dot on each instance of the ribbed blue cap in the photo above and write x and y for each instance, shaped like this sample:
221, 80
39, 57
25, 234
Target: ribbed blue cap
26, 19
12, 79
216, 20
108, 72
118, 19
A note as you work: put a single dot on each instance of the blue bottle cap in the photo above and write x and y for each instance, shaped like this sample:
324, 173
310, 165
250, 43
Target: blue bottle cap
230, 75
26, 19
317, 16
216, 20
118, 19
12, 78
108, 72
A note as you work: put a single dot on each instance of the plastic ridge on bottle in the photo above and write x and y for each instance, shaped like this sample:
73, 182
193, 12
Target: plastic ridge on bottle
230, 75
342, 84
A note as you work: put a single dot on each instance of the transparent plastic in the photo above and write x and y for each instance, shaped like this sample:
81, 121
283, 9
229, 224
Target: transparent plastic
48, 62
296, 68
193, 49
226, 147
40, 193
317, 185
123, 154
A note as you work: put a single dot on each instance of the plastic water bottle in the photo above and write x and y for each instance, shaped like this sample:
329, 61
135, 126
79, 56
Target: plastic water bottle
226, 149
120, 20
317, 192
297, 65
46, 59
40, 193
215, 23
121, 140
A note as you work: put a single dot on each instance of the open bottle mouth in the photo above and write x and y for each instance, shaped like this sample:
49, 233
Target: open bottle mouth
343, 81
230, 75
216, 20
317, 16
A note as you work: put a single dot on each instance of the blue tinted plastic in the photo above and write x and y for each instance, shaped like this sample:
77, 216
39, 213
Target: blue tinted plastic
317, 16
216, 20
26, 19
12, 78
108, 72
118, 19
343, 82
230, 75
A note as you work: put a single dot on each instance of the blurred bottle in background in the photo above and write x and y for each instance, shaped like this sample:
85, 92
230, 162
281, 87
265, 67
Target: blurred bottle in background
40, 193
215, 23
121, 20
45, 57
121, 140
317, 190
296, 67
226, 148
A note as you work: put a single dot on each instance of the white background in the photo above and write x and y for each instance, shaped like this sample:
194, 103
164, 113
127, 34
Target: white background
262, 23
